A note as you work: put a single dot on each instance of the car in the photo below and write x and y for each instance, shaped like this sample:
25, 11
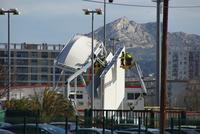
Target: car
93, 131
71, 125
182, 131
3, 131
143, 130
126, 126
197, 129
3, 124
33, 129
127, 132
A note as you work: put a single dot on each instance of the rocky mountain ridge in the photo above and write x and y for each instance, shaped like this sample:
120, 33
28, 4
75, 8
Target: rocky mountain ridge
140, 40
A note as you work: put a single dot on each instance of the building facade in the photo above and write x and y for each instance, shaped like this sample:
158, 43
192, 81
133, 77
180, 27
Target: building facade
183, 62
31, 64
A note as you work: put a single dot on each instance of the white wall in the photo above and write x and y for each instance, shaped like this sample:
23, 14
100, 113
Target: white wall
136, 103
114, 86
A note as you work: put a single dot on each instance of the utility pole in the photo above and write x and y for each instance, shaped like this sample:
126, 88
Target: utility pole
158, 51
164, 68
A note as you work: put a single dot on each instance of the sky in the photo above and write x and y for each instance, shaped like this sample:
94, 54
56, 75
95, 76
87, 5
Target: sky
56, 21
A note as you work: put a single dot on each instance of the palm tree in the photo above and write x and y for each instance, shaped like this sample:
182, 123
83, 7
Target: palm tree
13, 104
49, 104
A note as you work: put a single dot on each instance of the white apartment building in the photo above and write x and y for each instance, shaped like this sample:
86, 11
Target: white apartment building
183, 62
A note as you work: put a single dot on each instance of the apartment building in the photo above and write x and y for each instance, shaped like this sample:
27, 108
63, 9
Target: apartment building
183, 62
31, 64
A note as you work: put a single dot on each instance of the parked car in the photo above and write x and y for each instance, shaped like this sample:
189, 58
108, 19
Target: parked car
3, 131
182, 130
33, 129
4, 124
127, 132
194, 128
197, 129
71, 125
123, 126
93, 131
143, 130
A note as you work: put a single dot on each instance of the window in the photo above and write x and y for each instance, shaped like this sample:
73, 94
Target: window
12, 54
22, 70
22, 54
22, 77
34, 54
44, 62
3, 54
33, 77
34, 70
71, 96
22, 62
79, 96
2, 61
44, 77
34, 62
54, 54
132, 96
44, 70
44, 55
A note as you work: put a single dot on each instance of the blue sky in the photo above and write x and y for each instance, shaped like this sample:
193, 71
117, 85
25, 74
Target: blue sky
56, 21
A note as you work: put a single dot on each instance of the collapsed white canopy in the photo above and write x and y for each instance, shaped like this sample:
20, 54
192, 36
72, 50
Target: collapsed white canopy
77, 52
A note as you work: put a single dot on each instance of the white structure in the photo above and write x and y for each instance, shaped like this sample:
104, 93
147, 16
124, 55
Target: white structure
113, 83
133, 99
109, 79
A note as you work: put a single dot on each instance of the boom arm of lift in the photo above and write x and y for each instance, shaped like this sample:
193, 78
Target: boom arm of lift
139, 71
75, 75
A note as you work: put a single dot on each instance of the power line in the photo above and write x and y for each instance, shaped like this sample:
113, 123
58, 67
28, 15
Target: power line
184, 6
120, 4
134, 5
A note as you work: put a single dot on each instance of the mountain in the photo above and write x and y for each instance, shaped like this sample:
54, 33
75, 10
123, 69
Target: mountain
130, 33
140, 40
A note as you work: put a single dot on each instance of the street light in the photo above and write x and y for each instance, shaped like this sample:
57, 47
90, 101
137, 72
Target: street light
110, 1
88, 12
14, 12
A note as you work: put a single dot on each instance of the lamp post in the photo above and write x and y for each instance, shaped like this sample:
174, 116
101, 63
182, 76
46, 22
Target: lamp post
14, 12
88, 12
110, 1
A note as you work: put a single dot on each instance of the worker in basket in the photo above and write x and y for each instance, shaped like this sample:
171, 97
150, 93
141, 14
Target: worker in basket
126, 60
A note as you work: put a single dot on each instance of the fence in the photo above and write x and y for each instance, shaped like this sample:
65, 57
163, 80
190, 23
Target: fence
112, 119
148, 118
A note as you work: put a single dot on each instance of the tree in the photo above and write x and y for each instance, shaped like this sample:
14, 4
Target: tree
2, 80
49, 104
